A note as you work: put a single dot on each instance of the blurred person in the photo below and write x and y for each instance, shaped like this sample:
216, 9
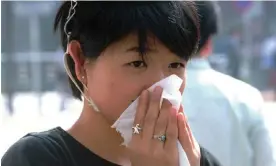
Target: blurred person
273, 74
234, 53
223, 112
116, 50
10, 103
228, 45
268, 58
62, 85
63, 88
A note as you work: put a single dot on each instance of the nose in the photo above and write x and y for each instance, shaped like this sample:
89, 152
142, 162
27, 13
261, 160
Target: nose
156, 76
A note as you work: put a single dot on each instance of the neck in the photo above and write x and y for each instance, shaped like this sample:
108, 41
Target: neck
95, 133
207, 49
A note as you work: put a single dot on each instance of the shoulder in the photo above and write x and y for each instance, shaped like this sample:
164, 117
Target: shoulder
245, 100
237, 91
225, 85
207, 159
35, 149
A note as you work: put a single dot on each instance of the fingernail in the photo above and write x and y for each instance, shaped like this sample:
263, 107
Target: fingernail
157, 93
182, 116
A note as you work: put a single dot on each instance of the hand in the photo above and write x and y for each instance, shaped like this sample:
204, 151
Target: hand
187, 139
144, 148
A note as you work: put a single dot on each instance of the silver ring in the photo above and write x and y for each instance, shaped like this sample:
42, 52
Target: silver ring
136, 129
161, 138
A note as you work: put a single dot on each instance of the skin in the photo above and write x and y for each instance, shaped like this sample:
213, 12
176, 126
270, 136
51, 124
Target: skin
116, 78
206, 50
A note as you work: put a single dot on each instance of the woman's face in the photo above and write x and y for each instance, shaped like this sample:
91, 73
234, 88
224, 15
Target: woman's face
119, 75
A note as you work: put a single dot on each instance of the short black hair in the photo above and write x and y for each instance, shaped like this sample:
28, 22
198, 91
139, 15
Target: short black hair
97, 24
208, 12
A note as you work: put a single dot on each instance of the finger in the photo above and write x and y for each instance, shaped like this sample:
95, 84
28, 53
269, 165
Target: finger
172, 131
190, 134
152, 113
161, 124
184, 136
181, 110
141, 110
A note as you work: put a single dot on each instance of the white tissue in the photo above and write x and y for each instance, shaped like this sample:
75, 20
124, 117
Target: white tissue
124, 123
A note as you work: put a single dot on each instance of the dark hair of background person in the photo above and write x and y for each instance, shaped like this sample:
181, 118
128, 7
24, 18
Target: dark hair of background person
208, 12
97, 24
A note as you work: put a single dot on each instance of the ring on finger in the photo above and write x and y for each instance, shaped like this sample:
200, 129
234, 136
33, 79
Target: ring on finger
136, 129
161, 138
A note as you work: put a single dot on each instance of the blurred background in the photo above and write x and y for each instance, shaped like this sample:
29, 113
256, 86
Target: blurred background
34, 92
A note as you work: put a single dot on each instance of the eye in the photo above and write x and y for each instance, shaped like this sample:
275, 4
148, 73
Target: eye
176, 65
137, 64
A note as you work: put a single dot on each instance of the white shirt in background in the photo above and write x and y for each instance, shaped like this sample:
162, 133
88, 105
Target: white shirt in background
225, 117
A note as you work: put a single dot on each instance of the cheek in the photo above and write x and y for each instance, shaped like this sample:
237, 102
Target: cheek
183, 77
113, 94
182, 88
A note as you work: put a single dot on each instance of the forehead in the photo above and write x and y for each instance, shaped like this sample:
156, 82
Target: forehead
127, 49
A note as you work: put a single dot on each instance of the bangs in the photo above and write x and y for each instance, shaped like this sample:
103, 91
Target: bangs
98, 24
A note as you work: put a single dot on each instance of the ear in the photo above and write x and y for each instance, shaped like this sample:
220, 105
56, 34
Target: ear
74, 50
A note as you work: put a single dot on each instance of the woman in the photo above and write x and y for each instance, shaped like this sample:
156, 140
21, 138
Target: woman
115, 51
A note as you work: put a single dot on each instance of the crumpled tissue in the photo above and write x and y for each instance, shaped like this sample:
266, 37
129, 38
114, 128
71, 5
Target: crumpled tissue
124, 123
